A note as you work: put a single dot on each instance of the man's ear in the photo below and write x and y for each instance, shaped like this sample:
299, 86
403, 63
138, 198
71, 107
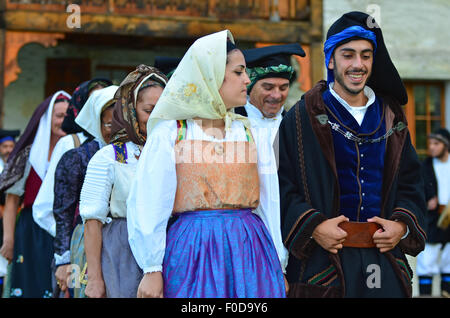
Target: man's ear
331, 63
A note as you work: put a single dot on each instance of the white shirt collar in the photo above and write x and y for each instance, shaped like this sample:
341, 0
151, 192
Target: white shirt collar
357, 112
254, 112
370, 94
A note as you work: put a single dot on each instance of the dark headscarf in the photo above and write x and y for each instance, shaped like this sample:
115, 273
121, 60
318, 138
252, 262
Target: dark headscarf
125, 126
385, 79
16, 163
79, 98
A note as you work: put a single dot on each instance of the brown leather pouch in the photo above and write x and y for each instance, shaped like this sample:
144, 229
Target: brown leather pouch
359, 234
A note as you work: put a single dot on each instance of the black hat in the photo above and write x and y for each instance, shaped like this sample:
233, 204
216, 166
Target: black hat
384, 79
271, 61
166, 64
8, 135
273, 55
441, 134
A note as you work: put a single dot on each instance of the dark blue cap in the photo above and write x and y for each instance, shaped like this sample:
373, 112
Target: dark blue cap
8, 134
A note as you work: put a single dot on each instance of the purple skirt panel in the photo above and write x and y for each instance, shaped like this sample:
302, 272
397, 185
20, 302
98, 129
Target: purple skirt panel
221, 254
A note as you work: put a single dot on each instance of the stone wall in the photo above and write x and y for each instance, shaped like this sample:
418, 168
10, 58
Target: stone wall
416, 33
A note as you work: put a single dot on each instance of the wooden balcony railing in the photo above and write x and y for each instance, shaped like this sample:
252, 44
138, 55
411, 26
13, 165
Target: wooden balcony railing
274, 10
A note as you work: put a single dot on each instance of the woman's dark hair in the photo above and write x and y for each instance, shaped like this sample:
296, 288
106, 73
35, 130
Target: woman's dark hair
148, 84
230, 47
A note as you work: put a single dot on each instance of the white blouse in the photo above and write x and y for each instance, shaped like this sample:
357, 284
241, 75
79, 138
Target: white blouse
107, 183
152, 194
43, 204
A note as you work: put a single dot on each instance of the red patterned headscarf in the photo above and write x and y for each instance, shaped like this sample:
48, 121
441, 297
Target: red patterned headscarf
125, 126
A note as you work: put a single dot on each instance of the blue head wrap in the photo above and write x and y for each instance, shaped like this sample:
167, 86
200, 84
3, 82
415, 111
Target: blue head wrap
2, 140
334, 40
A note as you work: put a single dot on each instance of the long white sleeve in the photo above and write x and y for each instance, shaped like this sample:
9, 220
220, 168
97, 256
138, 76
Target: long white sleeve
43, 204
269, 207
151, 198
97, 186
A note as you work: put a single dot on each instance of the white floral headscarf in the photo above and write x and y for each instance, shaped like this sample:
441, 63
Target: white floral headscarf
193, 89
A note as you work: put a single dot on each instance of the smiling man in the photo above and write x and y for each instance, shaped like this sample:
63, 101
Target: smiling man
352, 201
270, 72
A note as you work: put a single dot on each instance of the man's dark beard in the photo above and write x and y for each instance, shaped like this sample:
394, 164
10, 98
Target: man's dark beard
340, 80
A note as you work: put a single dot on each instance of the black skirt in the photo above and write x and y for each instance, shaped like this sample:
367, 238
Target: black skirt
31, 275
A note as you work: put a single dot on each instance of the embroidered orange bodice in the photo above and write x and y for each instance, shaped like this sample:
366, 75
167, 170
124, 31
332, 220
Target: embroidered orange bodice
216, 175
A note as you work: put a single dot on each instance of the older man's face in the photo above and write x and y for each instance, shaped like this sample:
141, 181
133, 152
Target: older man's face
269, 95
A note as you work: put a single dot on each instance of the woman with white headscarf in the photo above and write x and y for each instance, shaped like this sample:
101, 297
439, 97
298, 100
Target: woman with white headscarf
112, 270
43, 204
202, 163
95, 117
28, 247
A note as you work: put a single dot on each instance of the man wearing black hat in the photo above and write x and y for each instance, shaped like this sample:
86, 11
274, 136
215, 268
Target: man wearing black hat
7, 142
167, 64
270, 72
435, 259
351, 192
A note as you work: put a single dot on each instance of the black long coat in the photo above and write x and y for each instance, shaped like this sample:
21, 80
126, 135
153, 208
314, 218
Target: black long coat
309, 192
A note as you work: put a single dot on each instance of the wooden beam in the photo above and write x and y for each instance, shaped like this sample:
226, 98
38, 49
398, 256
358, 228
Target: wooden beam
180, 27
317, 62
316, 30
2, 73
14, 41
410, 112
2, 60
316, 37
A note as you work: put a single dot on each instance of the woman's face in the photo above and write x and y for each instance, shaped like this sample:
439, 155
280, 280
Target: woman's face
146, 101
106, 123
58, 114
234, 87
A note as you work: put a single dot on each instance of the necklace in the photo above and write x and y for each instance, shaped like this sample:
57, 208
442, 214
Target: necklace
347, 134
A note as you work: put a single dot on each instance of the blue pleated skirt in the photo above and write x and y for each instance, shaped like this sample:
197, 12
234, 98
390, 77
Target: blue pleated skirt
221, 254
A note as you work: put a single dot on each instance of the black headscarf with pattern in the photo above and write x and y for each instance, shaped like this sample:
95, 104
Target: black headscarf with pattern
79, 98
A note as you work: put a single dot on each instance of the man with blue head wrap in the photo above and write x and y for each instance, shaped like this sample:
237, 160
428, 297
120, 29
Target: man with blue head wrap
352, 200
7, 143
